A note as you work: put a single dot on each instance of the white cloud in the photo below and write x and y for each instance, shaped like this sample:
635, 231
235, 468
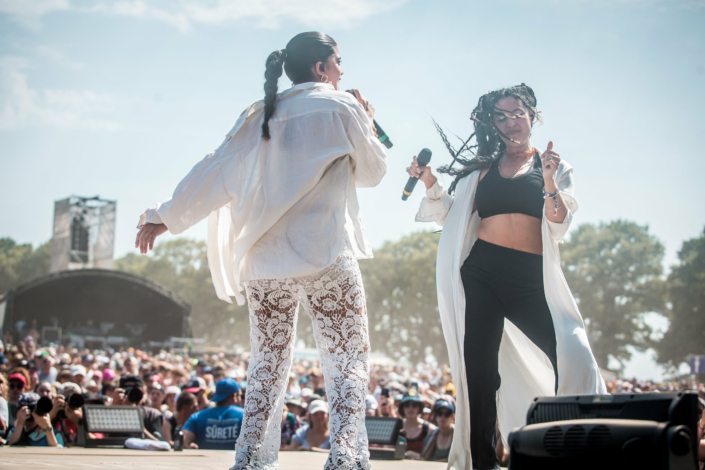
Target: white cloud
22, 106
29, 12
184, 14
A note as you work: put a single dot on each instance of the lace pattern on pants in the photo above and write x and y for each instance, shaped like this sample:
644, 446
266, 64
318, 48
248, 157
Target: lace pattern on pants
335, 300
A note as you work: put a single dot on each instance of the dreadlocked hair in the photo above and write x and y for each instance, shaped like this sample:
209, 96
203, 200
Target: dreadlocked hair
301, 53
488, 139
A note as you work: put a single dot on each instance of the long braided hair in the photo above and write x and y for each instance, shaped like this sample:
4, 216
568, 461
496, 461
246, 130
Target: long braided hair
301, 53
488, 139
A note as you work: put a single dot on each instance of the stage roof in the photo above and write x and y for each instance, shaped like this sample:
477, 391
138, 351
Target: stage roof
98, 302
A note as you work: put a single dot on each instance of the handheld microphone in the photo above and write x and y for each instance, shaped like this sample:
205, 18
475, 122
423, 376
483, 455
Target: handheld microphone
423, 159
381, 135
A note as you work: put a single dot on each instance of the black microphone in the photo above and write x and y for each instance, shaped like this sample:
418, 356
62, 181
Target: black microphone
381, 135
423, 159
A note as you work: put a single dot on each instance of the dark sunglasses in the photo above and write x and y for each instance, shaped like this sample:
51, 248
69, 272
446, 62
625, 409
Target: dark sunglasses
445, 414
16, 386
412, 403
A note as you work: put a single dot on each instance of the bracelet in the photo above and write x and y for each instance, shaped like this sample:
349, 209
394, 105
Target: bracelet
555, 199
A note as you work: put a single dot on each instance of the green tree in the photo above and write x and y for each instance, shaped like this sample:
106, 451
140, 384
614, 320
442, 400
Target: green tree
21, 263
181, 265
614, 271
686, 294
402, 305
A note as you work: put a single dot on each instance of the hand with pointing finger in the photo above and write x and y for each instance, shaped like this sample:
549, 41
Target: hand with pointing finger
549, 162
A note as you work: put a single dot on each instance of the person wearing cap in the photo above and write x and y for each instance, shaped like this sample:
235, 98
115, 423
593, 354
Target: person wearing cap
186, 405
291, 421
436, 446
296, 406
219, 427
30, 428
316, 436
172, 393
78, 375
197, 386
416, 429
18, 380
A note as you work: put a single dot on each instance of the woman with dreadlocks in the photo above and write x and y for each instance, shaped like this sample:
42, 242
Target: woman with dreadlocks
284, 225
512, 327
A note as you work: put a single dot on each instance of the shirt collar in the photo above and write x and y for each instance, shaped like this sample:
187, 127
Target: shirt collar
307, 85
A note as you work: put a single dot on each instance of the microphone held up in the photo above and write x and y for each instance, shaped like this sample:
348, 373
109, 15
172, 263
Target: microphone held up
423, 159
381, 135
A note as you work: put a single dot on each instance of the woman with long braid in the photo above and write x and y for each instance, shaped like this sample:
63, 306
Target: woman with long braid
284, 224
512, 327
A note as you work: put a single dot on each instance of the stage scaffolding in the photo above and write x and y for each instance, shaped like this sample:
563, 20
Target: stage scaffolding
84, 233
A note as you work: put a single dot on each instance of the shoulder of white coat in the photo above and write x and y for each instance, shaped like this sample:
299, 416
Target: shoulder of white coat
340, 101
249, 113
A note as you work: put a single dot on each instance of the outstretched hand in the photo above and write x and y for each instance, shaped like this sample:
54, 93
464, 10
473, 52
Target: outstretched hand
146, 236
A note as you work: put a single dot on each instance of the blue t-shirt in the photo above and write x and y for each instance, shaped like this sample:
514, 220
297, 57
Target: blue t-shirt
216, 428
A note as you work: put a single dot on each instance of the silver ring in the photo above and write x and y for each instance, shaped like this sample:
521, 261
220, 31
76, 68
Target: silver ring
550, 158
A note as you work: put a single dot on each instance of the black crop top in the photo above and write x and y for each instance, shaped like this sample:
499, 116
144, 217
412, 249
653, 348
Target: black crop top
521, 195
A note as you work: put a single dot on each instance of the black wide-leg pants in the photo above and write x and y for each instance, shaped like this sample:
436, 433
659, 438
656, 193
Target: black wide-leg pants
499, 283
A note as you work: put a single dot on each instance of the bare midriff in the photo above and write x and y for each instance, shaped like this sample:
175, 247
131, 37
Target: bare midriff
516, 231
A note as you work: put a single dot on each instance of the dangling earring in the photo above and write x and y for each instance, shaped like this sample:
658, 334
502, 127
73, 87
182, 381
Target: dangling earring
324, 78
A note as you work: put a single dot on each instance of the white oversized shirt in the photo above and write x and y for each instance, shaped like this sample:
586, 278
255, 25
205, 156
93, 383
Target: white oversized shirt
525, 369
281, 208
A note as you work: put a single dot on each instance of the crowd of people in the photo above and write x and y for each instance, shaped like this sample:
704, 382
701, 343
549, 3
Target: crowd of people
200, 400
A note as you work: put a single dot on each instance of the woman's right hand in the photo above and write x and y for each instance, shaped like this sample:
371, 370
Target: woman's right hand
424, 173
369, 109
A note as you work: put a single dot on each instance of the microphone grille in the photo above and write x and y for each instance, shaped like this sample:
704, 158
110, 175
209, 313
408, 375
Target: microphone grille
424, 157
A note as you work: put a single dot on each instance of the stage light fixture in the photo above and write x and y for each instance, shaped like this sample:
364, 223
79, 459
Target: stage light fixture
117, 423
383, 431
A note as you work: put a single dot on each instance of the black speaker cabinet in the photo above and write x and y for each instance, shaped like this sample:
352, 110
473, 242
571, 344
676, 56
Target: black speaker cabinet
630, 431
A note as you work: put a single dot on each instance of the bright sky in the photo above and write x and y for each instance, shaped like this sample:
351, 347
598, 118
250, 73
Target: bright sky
121, 98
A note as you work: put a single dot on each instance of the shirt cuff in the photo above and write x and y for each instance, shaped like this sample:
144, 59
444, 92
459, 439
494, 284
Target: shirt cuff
150, 216
435, 192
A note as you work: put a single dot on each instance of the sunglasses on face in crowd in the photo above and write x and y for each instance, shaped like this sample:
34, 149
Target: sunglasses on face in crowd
16, 386
412, 403
445, 414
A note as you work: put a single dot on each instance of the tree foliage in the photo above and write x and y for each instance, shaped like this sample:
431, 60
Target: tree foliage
21, 263
686, 294
181, 265
402, 305
614, 271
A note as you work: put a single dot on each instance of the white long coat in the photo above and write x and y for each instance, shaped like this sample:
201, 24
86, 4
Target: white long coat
525, 370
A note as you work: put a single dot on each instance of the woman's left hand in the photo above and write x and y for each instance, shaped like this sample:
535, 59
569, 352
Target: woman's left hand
549, 162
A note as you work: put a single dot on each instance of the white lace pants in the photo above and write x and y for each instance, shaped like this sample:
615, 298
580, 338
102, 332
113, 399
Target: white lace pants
335, 300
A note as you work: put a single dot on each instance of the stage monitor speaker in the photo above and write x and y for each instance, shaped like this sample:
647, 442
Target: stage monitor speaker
630, 431
386, 432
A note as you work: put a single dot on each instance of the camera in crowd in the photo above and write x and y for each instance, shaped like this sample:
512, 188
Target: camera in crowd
42, 407
132, 389
133, 395
74, 401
